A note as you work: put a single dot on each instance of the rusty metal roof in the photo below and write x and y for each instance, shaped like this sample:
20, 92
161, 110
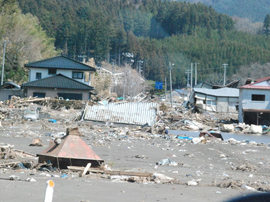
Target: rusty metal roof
72, 147
256, 86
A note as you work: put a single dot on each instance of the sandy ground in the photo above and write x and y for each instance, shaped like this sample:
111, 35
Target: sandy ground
223, 170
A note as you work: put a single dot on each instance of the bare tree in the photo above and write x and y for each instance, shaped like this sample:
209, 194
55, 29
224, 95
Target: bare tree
253, 71
215, 79
102, 85
133, 83
245, 25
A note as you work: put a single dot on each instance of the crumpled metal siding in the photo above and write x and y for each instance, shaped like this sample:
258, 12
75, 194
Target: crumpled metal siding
129, 113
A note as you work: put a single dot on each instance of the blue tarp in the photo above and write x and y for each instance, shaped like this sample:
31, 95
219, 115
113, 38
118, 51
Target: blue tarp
184, 138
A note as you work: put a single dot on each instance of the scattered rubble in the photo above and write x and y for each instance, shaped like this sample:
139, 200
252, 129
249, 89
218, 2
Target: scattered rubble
174, 159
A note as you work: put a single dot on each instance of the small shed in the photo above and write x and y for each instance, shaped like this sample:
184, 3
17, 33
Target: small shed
8, 89
70, 150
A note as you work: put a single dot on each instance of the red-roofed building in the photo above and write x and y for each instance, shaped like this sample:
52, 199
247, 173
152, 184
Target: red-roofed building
254, 105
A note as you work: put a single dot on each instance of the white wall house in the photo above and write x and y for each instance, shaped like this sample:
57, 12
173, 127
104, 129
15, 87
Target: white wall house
254, 102
60, 65
59, 77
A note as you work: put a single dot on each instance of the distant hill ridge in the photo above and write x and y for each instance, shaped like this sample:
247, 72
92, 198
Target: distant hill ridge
253, 10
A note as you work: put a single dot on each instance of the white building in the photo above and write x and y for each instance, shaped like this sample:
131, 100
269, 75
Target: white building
60, 65
254, 105
216, 100
59, 77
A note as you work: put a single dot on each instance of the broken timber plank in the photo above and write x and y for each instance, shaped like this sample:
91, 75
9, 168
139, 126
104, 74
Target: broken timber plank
86, 169
111, 172
9, 163
27, 154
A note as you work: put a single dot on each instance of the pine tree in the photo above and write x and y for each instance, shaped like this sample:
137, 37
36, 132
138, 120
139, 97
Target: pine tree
266, 25
208, 30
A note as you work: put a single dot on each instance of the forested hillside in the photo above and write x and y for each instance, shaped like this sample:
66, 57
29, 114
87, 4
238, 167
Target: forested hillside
253, 10
24, 40
157, 32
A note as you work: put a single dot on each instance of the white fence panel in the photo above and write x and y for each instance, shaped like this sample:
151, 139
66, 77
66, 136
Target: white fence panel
129, 113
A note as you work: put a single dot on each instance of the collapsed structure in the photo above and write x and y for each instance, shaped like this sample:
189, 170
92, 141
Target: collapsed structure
216, 100
70, 150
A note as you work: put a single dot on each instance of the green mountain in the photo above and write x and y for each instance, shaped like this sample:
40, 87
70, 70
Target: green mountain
155, 31
253, 10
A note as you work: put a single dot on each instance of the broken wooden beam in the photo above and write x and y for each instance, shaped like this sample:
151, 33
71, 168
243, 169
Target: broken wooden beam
110, 172
9, 163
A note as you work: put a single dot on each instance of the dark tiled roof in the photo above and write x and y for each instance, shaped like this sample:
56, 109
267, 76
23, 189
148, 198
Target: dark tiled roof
60, 62
58, 81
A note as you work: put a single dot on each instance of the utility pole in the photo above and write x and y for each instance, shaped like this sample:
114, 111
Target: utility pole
3, 64
124, 82
188, 72
170, 68
113, 79
165, 88
225, 66
196, 72
126, 55
140, 68
191, 75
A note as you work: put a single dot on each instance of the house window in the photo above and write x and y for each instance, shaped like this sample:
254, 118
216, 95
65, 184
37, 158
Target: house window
77, 75
51, 71
71, 96
256, 97
233, 104
38, 75
211, 102
41, 95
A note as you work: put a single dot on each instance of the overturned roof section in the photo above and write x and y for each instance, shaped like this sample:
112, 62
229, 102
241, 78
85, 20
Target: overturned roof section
260, 84
233, 84
58, 81
10, 85
60, 62
71, 147
221, 92
204, 85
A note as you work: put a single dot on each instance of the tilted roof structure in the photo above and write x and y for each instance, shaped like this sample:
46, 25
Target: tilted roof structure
72, 148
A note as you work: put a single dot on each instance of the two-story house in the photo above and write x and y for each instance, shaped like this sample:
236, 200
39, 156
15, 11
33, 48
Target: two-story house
59, 77
254, 102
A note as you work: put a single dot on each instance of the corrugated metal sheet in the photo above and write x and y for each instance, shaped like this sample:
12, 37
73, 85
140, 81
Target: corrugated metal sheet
129, 113
221, 92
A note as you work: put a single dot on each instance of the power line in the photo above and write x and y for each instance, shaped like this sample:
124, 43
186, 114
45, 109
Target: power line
210, 69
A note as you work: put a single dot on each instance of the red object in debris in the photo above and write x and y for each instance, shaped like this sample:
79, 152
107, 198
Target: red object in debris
70, 150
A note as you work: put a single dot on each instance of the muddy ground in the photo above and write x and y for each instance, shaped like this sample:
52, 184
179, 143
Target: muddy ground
209, 171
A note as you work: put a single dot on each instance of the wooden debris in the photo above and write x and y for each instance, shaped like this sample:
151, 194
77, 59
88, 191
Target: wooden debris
24, 154
111, 172
9, 163
86, 169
